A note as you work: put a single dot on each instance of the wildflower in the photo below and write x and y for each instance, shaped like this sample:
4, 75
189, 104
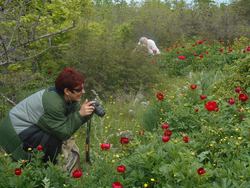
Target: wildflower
199, 42
18, 171
77, 173
231, 101
160, 96
202, 97
145, 185
201, 171
185, 139
121, 168
124, 140
237, 89
105, 146
167, 132
165, 126
243, 97
182, 57
193, 86
165, 138
211, 106
117, 184
39, 148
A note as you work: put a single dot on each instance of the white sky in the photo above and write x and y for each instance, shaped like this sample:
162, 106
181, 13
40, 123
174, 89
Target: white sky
217, 1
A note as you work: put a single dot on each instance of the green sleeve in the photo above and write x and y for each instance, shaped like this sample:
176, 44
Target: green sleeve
55, 122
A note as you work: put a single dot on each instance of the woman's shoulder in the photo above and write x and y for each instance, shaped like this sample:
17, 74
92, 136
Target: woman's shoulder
52, 99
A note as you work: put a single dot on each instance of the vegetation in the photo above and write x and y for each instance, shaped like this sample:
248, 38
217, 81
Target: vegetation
180, 119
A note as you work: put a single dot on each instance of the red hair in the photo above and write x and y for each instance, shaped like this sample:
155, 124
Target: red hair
68, 78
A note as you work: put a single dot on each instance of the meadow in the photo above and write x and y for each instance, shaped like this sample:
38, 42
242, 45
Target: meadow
190, 129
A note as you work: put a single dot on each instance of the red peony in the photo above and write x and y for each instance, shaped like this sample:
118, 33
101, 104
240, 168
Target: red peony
117, 184
160, 96
124, 140
185, 139
182, 57
165, 138
231, 101
237, 89
105, 146
18, 171
193, 86
201, 171
39, 148
211, 106
77, 173
167, 132
202, 97
121, 168
243, 97
199, 42
165, 126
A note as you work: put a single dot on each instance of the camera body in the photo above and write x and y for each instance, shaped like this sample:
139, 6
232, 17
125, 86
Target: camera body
99, 110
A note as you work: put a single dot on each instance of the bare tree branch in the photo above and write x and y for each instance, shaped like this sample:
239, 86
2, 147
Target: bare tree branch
43, 37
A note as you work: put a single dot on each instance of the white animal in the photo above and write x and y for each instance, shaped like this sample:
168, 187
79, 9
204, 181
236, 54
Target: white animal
150, 44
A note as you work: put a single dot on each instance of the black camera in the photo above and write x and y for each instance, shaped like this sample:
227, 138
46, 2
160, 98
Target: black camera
99, 110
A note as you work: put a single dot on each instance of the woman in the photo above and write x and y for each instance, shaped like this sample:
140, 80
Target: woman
46, 118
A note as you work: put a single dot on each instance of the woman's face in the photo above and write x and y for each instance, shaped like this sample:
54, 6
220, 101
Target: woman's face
74, 94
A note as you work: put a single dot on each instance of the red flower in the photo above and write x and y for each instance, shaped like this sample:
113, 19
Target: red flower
124, 140
121, 168
185, 139
160, 96
165, 138
201, 171
117, 184
39, 148
77, 173
211, 106
243, 97
237, 89
165, 126
231, 101
201, 56
167, 132
193, 86
105, 146
202, 97
221, 50
248, 49
199, 42
182, 57
18, 171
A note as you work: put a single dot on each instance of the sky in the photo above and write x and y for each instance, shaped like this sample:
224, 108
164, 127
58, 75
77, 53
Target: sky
217, 1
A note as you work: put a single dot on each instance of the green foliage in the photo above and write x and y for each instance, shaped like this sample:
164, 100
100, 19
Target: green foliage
111, 65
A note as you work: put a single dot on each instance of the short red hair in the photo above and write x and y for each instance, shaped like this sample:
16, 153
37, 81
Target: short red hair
68, 78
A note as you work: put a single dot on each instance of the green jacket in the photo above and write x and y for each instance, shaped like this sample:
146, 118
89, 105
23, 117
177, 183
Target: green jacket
45, 109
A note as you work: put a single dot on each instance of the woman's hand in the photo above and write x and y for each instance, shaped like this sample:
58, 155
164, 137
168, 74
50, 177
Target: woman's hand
87, 108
